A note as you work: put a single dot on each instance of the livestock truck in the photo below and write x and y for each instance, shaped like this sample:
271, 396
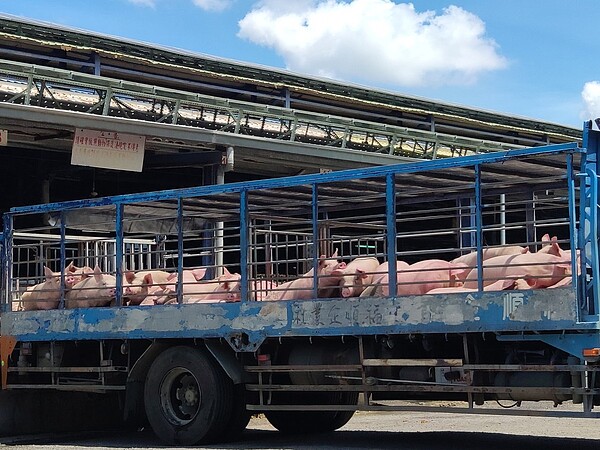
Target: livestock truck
195, 367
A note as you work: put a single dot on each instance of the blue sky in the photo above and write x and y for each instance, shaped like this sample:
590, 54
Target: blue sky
533, 58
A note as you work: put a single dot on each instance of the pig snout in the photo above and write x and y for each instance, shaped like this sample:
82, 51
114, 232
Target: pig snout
347, 292
233, 296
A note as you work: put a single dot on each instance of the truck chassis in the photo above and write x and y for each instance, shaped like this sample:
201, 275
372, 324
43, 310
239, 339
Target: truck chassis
196, 372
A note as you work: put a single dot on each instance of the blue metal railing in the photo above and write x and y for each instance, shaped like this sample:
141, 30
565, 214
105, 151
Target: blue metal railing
589, 286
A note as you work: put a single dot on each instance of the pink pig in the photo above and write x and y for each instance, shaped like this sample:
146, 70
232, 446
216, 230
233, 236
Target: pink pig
328, 275
380, 283
550, 246
74, 274
98, 290
357, 275
44, 295
302, 288
499, 285
191, 282
538, 269
146, 283
195, 290
423, 276
470, 259
223, 289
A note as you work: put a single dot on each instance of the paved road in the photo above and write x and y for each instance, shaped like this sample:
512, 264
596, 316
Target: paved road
407, 430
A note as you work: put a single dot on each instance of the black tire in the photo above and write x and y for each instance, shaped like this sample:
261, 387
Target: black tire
297, 422
240, 416
188, 398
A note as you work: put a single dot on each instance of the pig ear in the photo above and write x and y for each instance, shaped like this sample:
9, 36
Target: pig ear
546, 238
70, 267
48, 273
322, 259
460, 271
129, 276
199, 273
360, 273
525, 250
335, 254
554, 249
225, 271
531, 282
97, 273
87, 271
148, 279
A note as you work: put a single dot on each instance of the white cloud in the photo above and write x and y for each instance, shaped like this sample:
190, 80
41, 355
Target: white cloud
591, 100
213, 5
374, 40
150, 3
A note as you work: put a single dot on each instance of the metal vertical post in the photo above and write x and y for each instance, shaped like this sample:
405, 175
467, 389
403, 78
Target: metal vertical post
503, 219
218, 233
315, 233
175, 112
244, 244
97, 65
479, 226
179, 287
7, 241
467, 361
573, 237
62, 259
119, 252
27, 100
530, 219
390, 212
107, 98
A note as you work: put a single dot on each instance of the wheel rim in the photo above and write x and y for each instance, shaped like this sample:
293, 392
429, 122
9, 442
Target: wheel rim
180, 396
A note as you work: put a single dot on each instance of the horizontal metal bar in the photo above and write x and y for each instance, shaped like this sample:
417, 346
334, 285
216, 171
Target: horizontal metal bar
416, 388
67, 387
431, 409
532, 368
390, 135
413, 362
69, 369
305, 368
57, 238
424, 363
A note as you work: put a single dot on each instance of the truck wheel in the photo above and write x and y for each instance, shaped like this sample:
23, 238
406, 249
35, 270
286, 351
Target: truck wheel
240, 416
295, 422
187, 396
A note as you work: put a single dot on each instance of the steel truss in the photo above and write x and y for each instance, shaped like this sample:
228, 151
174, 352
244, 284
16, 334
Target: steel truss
57, 89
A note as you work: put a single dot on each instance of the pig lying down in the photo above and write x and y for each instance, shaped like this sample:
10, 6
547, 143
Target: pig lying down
507, 267
328, 275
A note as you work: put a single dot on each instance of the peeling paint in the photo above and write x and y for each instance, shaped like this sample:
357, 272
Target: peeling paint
488, 311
